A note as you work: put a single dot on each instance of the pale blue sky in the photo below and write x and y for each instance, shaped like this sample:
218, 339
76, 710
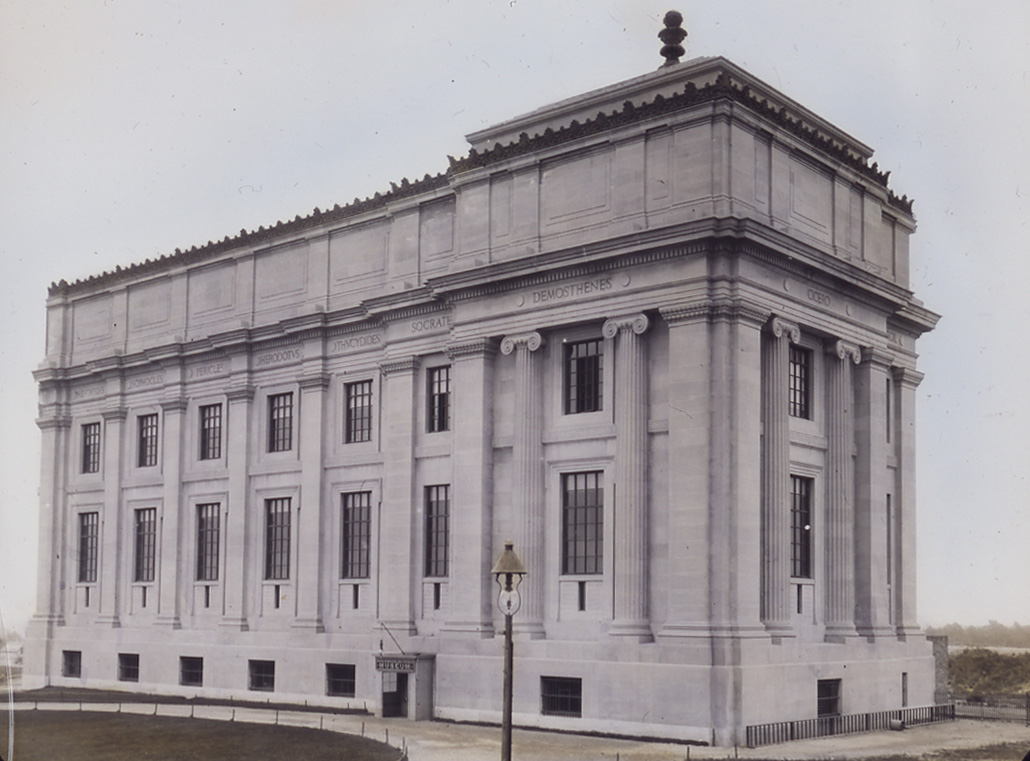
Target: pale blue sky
131, 129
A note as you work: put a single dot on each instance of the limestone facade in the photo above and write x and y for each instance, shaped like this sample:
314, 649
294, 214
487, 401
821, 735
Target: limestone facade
659, 335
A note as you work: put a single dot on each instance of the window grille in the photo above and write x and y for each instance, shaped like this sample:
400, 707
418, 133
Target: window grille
339, 680
71, 663
280, 422
561, 696
146, 454
437, 516
357, 533
262, 675
191, 671
800, 383
583, 376
91, 448
582, 523
128, 667
277, 538
210, 431
828, 697
800, 527
438, 398
207, 541
358, 423
89, 530
146, 543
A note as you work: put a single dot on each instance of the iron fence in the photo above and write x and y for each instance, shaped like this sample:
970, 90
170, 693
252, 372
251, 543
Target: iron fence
995, 709
847, 724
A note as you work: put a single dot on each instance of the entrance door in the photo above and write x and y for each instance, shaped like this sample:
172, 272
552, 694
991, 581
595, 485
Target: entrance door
395, 694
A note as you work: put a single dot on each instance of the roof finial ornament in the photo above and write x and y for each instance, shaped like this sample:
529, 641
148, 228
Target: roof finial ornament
671, 37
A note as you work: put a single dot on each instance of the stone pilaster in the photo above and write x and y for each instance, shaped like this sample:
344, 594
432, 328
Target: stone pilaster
839, 601
906, 383
402, 506
111, 550
528, 479
171, 547
238, 551
471, 589
311, 528
775, 576
631, 469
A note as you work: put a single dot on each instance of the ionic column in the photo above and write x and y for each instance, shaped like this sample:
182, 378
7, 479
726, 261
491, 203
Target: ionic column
310, 524
238, 551
907, 381
775, 577
840, 491
170, 547
528, 479
111, 550
631, 455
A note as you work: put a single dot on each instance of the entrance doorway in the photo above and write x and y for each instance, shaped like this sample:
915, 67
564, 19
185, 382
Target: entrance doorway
395, 694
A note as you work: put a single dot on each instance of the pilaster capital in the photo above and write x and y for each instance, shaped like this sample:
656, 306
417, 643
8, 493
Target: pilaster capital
474, 348
636, 322
779, 328
401, 365
907, 377
314, 382
844, 350
875, 356
530, 341
685, 313
115, 414
240, 394
174, 404
57, 422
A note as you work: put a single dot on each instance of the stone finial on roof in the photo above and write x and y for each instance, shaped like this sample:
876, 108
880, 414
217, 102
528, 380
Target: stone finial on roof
671, 37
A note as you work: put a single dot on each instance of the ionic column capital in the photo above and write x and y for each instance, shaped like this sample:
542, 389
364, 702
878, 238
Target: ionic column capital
531, 341
636, 322
779, 328
844, 350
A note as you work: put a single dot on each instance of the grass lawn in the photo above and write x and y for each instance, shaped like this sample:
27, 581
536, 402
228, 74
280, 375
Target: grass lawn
75, 736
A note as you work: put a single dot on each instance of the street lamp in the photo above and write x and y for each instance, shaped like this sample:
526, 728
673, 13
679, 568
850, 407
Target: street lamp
509, 572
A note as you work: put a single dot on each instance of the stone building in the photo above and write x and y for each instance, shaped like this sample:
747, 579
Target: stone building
660, 335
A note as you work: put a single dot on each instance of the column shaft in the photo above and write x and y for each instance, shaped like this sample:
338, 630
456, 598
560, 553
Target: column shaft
238, 552
905, 503
170, 547
111, 549
310, 524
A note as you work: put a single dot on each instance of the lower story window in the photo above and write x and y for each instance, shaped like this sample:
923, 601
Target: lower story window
71, 663
561, 696
828, 697
262, 675
128, 667
339, 680
191, 671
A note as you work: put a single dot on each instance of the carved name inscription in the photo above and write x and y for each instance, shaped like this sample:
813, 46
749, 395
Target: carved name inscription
562, 292
819, 297
430, 324
277, 357
352, 343
146, 381
211, 368
88, 392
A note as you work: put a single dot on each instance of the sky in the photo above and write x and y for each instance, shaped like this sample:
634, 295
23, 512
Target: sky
130, 129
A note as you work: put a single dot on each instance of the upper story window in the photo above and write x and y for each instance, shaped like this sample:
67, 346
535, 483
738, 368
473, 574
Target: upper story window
207, 541
800, 401
146, 543
280, 422
277, 539
358, 423
583, 376
800, 527
438, 399
210, 431
438, 502
91, 448
89, 534
357, 535
582, 522
146, 449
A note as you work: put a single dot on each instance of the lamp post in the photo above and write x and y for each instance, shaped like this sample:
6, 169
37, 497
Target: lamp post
509, 572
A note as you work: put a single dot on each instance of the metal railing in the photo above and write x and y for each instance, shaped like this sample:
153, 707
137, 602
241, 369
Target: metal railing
995, 709
847, 724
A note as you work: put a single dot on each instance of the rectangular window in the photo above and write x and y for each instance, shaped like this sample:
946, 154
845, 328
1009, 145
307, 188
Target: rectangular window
207, 541
146, 543
437, 530
800, 527
357, 534
71, 663
210, 432
904, 689
277, 538
89, 533
828, 697
146, 450
358, 423
191, 671
561, 696
280, 422
128, 667
339, 680
583, 376
91, 448
438, 399
582, 522
262, 675
799, 403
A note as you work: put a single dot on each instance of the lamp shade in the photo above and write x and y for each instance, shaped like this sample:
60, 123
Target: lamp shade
508, 563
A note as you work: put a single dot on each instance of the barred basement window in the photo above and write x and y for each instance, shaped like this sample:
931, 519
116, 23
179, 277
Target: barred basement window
128, 667
437, 516
146, 543
191, 671
339, 680
91, 448
210, 431
277, 538
207, 541
89, 531
261, 675
800, 527
146, 451
828, 697
799, 402
438, 399
561, 696
358, 424
280, 422
71, 663
582, 523
583, 376
357, 534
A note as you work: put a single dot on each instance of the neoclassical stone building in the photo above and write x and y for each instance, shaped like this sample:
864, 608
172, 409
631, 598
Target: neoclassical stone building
660, 335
